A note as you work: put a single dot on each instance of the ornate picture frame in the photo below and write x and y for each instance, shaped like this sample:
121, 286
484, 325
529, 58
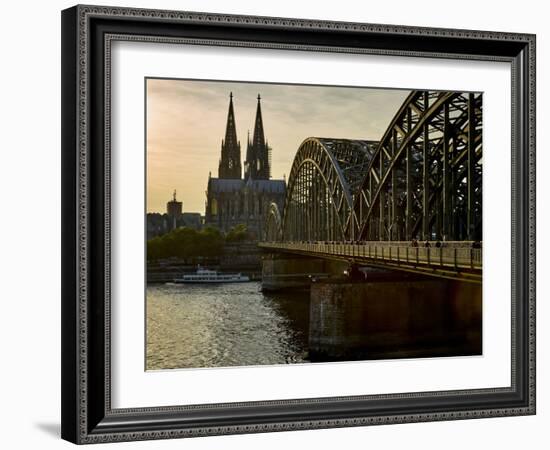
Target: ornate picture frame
87, 35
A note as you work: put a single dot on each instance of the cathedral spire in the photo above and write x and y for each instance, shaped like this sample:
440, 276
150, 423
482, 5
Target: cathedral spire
230, 129
257, 153
230, 161
258, 139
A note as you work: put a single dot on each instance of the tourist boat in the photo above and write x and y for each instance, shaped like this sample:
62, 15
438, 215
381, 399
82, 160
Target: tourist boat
211, 276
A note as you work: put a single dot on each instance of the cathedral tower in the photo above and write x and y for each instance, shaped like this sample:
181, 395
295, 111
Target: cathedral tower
257, 164
232, 201
230, 161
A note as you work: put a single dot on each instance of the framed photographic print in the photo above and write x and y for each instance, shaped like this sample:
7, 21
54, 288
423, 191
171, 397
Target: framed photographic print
281, 224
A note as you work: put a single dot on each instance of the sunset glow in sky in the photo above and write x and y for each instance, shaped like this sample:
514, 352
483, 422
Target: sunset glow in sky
186, 123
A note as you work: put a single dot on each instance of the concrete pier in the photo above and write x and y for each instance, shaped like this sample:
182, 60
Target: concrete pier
394, 319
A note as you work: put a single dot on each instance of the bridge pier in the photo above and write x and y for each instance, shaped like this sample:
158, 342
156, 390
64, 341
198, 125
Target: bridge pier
284, 271
394, 319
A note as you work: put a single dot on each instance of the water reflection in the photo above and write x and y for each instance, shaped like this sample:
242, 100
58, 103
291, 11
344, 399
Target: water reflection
224, 325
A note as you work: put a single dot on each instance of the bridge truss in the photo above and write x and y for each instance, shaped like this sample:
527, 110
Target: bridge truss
422, 180
323, 177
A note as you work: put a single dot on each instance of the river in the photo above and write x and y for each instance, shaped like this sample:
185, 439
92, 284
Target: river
223, 325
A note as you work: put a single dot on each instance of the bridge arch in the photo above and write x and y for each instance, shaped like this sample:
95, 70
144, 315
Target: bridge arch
424, 179
324, 175
273, 228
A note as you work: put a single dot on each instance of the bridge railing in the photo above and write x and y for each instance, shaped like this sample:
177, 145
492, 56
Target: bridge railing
449, 254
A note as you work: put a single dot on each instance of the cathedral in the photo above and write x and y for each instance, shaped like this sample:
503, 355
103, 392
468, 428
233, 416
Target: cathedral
232, 199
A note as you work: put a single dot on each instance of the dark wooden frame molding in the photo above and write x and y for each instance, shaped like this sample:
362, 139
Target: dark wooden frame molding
87, 415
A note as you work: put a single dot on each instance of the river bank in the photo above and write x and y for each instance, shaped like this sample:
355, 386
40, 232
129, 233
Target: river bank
243, 257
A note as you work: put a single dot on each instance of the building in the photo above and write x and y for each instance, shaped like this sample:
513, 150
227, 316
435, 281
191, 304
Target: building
232, 199
159, 224
174, 208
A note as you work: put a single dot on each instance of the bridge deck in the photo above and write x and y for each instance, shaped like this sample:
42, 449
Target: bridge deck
455, 260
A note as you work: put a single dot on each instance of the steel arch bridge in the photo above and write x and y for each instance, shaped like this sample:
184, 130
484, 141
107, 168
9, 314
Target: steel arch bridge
368, 201
422, 180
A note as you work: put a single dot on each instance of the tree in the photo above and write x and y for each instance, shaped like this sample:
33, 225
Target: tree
186, 242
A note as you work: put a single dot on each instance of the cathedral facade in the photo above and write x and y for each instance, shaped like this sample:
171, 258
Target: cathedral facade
233, 199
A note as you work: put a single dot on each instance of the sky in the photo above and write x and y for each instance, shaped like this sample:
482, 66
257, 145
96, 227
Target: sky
186, 122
